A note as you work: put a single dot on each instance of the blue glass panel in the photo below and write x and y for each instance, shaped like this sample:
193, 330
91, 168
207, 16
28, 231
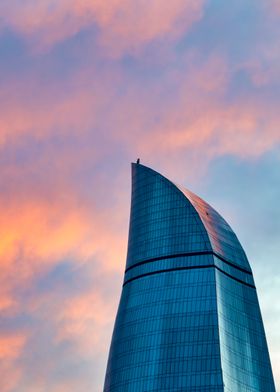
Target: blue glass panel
245, 359
166, 334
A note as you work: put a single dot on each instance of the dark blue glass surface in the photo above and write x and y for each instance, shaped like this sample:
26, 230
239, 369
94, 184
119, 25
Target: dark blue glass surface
189, 318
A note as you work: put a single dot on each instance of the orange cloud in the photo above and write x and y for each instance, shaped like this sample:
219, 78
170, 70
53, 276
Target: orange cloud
36, 234
86, 320
37, 231
123, 25
11, 345
40, 230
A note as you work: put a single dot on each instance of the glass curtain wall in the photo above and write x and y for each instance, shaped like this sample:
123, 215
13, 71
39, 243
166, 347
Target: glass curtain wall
189, 318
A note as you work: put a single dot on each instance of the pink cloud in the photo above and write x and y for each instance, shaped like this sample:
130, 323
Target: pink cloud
219, 130
87, 320
11, 346
27, 111
123, 25
274, 6
195, 116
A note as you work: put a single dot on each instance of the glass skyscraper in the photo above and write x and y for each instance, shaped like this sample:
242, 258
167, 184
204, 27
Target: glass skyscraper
189, 318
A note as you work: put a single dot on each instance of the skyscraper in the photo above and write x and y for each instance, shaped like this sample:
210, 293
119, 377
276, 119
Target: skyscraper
189, 318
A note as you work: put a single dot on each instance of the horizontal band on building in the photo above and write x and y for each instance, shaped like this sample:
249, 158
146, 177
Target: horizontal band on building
188, 268
201, 253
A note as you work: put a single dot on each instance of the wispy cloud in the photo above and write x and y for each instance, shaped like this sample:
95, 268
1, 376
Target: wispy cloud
121, 25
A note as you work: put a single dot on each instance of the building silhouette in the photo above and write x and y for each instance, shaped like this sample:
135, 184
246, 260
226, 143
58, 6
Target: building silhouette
189, 318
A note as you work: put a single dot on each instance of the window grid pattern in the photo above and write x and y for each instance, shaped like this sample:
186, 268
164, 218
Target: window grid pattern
245, 359
234, 272
166, 335
162, 220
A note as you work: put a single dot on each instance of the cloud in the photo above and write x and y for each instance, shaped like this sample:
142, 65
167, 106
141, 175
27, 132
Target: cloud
87, 320
194, 113
221, 129
35, 235
122, 25
39, 235
44, 220
273, 6
27, 110
68, 313
11, 347
191, 111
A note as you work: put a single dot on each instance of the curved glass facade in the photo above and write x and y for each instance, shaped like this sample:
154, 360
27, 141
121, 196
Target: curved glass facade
188, 318
223, 240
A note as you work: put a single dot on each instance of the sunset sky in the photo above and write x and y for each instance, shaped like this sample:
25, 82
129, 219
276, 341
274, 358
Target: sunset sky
192, 87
